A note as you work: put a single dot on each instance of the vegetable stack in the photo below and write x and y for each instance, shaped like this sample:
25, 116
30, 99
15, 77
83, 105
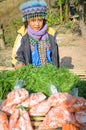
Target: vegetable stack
60, 109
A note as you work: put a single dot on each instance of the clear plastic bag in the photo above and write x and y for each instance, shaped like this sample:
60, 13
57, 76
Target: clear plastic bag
74, 92
81, 116
19, 84
53, 89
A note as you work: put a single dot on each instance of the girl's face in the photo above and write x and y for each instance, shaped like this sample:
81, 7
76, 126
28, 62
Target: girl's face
36, 23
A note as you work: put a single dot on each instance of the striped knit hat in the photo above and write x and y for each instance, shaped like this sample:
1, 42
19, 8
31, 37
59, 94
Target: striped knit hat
33, 8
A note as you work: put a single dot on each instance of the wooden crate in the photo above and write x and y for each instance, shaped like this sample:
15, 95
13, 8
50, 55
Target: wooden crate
79, 72
3, 68
36, 121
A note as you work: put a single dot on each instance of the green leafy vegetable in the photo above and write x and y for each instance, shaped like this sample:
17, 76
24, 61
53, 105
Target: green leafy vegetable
39, 79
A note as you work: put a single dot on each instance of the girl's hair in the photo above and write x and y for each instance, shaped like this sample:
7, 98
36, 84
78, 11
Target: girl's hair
26, 23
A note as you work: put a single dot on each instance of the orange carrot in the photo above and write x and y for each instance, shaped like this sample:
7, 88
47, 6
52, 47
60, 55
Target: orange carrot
73, 127
68, 126
3, 122
64, 126
13, 119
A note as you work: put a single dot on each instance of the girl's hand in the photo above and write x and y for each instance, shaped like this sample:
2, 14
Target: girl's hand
18, 66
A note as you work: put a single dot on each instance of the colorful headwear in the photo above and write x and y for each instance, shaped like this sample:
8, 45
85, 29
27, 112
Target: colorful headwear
33, 8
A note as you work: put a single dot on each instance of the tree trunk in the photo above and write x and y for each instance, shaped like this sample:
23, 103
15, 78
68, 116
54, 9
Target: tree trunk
67, 11
61, 17
81, 19
2, 38
85, 10
49, 7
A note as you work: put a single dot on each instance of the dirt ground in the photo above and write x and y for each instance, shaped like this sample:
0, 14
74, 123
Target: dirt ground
72, 51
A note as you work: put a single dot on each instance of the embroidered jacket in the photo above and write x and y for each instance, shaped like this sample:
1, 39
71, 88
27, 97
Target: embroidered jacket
22, 45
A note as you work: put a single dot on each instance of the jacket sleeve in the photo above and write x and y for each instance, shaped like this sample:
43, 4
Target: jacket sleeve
21, 32
55, 50
17, 44
20, 54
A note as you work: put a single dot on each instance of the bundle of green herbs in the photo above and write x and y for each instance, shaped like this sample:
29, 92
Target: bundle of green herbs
39, 79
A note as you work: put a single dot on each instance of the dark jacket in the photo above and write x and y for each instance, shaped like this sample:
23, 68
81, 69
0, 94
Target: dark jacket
24, 53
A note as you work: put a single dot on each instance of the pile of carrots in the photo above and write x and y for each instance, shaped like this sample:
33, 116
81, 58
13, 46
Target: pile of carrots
60, 109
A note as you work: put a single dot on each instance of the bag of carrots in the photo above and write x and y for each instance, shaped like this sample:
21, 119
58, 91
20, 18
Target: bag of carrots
80, 104
20, 120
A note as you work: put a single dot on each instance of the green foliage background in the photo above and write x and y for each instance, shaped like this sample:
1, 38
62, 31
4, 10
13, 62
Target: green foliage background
10, 17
